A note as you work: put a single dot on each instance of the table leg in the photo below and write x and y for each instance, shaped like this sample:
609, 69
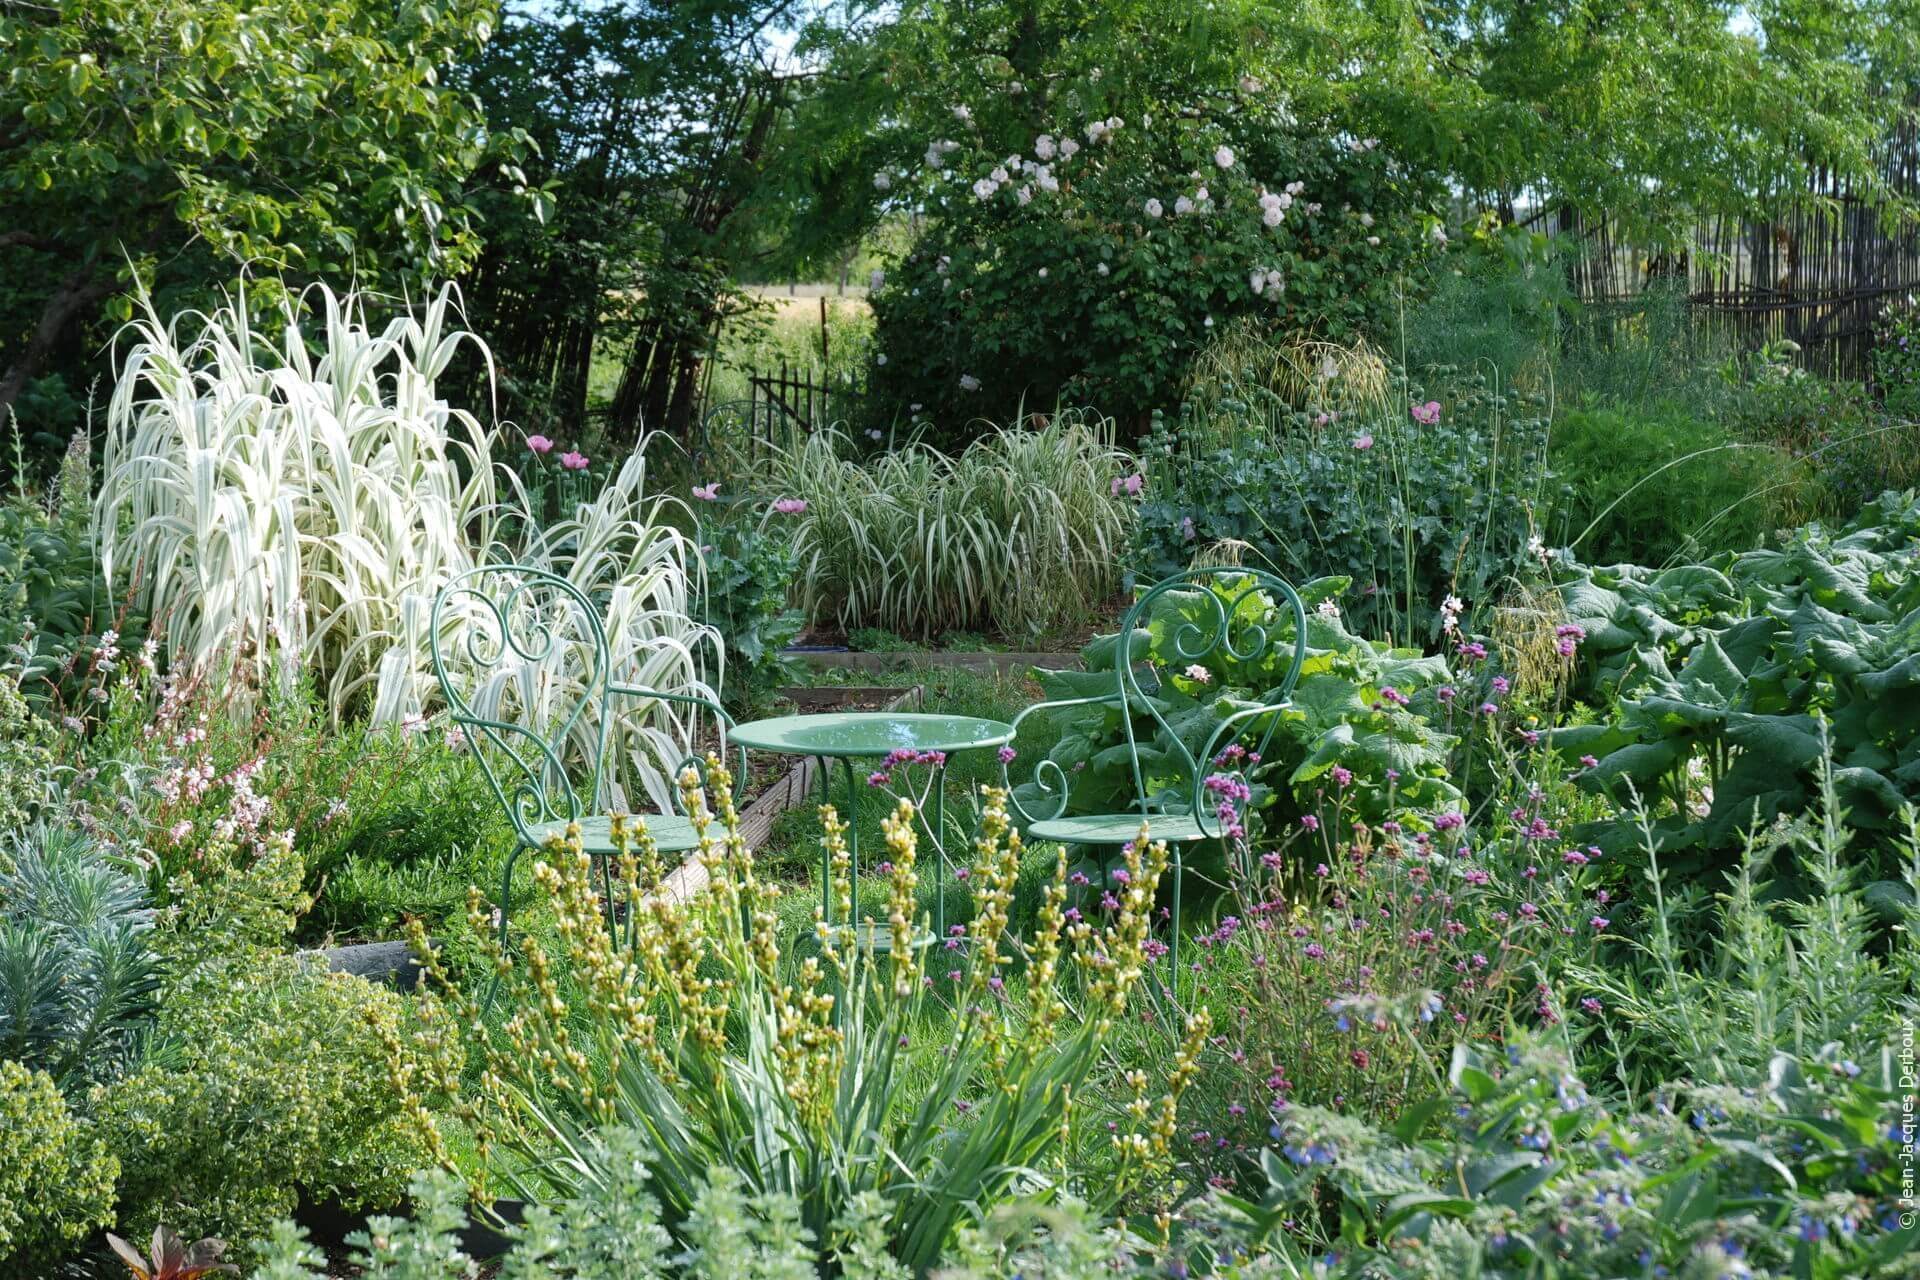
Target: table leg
821, 766
940, 853
853, 835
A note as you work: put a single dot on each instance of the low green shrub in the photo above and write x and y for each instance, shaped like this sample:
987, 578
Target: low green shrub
1349, 716
1654, 485
267, 1076
56, 1177
181, 763
1793, 957
1833, 424
1515, 1170
1896, 360
749, 572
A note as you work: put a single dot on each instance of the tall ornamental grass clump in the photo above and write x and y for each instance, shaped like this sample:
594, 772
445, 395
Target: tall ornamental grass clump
302, 506
850, 1081
1021, 532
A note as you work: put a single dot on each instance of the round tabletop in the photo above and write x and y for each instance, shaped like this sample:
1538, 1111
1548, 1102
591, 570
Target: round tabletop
869, 733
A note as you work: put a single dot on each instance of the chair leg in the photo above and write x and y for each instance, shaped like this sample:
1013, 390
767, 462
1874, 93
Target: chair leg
1173, 946
504, 908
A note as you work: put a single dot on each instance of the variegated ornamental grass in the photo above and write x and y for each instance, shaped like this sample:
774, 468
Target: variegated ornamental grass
1020, 532
298, 506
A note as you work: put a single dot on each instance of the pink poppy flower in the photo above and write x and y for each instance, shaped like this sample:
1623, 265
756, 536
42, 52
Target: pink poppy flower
540, 444
789, 506
707, 492
574, 461
1363, 443
1426, 414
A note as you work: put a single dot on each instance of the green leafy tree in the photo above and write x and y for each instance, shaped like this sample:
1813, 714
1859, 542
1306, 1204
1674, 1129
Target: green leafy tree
654, 123
179, 140
1097, 188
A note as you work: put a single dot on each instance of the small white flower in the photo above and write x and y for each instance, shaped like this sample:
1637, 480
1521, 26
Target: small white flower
984, 189
1183, 206
1024, 195
999, 175
1366, 219
1200, 196
881, 359
1295, 188
876, 278
969, 383
1328, 610
945, 261
936, 158
1068, 148
1100, 268
963, 112
1199, 674
1374, 241
1043, 146
1043, 273
1016, 88
1258, 280
1153, 207
1047, 181
1273, 217
1223, 156
881, 181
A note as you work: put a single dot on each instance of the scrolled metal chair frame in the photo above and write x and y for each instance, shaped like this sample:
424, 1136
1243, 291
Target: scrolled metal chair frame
1221, 632
508, 628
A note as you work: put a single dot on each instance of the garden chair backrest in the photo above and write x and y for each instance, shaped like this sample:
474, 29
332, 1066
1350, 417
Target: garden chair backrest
522, 660
1234, 615
1223, 593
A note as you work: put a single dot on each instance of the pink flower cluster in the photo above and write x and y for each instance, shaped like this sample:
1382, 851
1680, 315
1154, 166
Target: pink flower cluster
900, 757
572, 460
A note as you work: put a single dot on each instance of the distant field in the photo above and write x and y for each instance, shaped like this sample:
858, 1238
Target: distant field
799, 291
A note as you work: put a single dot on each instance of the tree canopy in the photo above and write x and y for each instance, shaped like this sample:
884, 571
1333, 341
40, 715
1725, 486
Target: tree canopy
183, 140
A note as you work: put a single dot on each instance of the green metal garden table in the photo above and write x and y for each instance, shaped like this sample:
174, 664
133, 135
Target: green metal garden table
850, 736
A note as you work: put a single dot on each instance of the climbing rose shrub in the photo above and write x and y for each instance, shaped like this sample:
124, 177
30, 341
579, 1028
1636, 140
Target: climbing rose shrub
1091, 260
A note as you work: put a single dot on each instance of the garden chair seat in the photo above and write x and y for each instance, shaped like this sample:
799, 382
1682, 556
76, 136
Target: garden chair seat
671, 833
1119, 828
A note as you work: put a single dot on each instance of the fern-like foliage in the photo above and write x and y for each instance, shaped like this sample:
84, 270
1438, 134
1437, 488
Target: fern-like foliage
77, 976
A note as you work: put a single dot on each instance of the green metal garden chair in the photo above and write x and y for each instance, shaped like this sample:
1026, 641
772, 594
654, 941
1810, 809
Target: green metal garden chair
1243, 616
508, 626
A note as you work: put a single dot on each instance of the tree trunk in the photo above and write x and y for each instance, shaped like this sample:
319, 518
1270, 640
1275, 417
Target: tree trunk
79, 291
